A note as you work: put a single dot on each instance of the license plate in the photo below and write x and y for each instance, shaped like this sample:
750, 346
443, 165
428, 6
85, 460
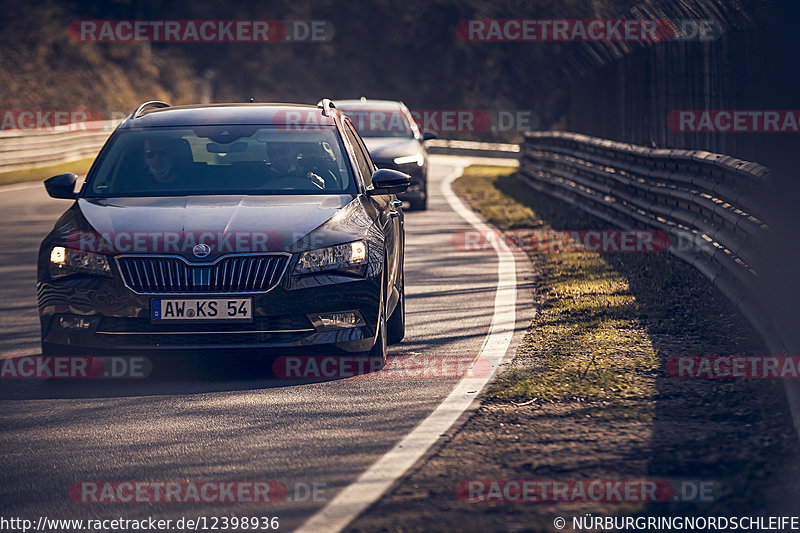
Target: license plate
200, 309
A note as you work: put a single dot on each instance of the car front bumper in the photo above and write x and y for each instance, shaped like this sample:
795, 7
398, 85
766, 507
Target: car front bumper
119, 319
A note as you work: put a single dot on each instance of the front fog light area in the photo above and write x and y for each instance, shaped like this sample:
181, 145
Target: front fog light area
77, 323
339, 320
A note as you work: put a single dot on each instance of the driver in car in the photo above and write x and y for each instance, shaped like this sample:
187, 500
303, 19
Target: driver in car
284, 163
159, 158
165, 165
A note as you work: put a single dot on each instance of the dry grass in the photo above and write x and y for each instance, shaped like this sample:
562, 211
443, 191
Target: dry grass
586, 343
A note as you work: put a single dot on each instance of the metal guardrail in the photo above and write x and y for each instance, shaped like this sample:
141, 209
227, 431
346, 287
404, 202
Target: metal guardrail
712, 206
28, 149
471, 148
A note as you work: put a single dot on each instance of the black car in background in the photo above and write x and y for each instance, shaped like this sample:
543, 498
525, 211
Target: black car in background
394, 141
226, 226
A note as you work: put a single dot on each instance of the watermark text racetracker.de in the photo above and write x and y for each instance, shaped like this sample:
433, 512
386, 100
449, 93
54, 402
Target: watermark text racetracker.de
114, 242
196, 491
582, 30
75, 367
201, 31
734, 121
184, 523
562, 241
586, 490
378, 122
186, 242
50, 120
415, 366
734, 367
453, 120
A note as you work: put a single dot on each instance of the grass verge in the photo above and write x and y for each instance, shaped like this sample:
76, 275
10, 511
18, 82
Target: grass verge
587, 343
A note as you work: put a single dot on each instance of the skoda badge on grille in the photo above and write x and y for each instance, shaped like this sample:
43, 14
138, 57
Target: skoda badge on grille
201, 250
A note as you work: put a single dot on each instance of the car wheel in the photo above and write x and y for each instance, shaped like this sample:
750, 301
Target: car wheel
396, 325
380, 351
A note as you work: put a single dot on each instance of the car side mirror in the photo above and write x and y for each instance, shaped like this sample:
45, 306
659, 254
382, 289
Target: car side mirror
62, 186
429, 135
388, 181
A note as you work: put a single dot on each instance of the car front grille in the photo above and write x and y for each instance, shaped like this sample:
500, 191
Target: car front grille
173, 275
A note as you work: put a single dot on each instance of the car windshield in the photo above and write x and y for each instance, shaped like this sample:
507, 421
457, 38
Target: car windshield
379, 122
222, 159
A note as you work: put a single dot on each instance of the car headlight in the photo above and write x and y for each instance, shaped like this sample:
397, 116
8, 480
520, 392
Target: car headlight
409, 159
65, 261
347, 257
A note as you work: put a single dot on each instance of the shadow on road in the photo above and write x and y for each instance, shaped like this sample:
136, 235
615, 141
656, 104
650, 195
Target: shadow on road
171, 374
201, 373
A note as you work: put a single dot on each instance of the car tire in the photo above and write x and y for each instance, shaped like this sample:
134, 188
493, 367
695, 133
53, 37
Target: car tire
380, 350
396, 325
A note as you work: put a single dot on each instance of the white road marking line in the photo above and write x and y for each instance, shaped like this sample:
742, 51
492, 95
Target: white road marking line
379, 477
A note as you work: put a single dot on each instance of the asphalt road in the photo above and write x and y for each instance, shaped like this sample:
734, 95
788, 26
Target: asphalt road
206, 420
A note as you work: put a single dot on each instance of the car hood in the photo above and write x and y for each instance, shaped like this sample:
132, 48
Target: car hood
387, 148
283, 222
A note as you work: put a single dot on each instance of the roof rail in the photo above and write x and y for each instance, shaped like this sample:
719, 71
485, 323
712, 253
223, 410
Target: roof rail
326, 104
153, 104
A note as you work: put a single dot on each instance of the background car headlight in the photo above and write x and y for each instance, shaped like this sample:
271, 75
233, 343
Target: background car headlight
65, 261
408, 159
348, 257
